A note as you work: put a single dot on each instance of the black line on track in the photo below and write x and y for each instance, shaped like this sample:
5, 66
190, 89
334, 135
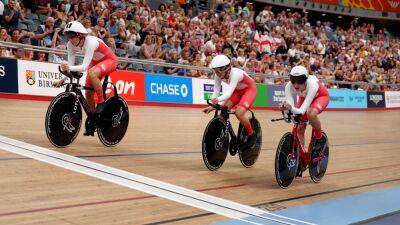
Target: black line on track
182, 153
276, 201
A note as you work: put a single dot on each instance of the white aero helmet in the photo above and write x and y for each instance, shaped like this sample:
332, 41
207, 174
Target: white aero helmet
219, 61
298, 74
75, 27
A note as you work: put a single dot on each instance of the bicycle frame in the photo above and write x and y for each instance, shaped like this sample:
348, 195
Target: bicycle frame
303, 153
225, 115
76, 88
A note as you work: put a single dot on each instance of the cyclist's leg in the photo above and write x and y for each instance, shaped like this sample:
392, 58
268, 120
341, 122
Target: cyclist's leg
89, 95
233, 100
98, 72
301, 128
240, 113
246, 101
94, 75
316, 107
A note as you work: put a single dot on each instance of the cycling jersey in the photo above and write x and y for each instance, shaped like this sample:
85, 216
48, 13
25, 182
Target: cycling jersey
241, 90
96, 54
314, 96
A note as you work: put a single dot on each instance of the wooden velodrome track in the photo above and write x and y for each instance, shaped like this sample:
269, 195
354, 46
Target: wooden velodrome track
164, 143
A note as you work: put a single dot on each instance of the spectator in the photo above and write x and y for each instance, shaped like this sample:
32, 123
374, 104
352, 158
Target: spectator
173, 59
43, 7
45, 33
11, 16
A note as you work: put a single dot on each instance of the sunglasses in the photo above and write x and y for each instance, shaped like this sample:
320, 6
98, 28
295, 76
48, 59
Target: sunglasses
298, 80
221, 69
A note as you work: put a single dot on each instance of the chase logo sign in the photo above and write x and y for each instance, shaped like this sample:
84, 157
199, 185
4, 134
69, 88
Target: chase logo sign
376, 99
168, 89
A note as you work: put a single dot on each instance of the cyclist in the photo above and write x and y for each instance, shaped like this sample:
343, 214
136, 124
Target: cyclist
99, 60
241, 92
313, 99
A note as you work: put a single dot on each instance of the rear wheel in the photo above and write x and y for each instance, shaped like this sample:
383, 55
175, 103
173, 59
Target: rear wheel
249, 156
286, 162
319, 161
113, 121
215, 143
63, 119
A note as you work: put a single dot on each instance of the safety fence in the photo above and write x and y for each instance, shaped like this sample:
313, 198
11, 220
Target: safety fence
37, 78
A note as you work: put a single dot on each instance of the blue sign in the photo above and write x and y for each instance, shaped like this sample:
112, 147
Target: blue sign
347, 99
8, 75
276, 95
168, 89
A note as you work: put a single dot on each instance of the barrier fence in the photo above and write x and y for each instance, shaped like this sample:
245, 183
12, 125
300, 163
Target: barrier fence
36, 79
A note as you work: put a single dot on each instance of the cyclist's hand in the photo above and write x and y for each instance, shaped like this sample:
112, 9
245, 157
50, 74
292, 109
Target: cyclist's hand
214, 100
58, 83
64, 67
208, 110
285, 106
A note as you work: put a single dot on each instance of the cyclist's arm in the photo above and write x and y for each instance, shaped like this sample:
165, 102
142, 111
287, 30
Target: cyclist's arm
90, 49
289, 94
71, 54
235, 79
312, 91
217, 86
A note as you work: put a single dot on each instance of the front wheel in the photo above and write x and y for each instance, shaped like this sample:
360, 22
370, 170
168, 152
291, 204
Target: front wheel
113, 121
215, 143
319, 160
63, 119
249, 156
286, 161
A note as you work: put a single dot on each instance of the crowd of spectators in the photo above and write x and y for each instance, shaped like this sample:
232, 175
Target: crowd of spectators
261, 42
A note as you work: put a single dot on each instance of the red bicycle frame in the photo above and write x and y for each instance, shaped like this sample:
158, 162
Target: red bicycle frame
304, 154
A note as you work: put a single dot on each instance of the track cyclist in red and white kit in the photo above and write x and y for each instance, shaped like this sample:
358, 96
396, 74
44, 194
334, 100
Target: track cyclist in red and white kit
99, 60
241, 92
313, 99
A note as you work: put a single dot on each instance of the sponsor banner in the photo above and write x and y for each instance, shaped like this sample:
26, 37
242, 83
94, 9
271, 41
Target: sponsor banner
262, 95
378, 5
129, 84
276, 95
37, 78
376, 99
8, 75
347, 99
203, 90
392, 99
331, 2
168, 89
